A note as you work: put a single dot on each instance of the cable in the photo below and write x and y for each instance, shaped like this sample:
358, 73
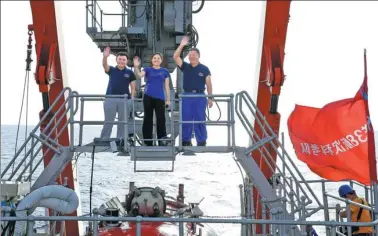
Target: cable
240, 169
19, 117
91, 182
200, 8
26, 87
145, 9
126, 9
208, 112
27, 114
193, 35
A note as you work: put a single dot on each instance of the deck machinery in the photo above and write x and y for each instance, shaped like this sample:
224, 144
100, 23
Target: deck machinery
279, 191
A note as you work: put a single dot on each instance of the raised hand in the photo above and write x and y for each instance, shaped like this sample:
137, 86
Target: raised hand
106, 52
136, 61
184, 41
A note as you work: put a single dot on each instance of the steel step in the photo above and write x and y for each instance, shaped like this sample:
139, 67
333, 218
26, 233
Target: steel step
154, 153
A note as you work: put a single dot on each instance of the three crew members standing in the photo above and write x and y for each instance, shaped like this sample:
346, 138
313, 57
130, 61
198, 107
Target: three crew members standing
197, 78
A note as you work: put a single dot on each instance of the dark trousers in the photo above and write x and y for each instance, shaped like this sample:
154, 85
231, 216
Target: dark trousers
150, 105
362, 234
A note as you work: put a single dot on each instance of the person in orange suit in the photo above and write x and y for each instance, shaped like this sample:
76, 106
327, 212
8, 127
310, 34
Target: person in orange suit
358, 214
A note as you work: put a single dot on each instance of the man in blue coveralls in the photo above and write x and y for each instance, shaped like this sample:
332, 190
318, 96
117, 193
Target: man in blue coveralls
196, 76
120, 78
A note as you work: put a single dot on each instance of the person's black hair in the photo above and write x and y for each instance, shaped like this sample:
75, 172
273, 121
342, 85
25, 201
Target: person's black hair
196, 50
123, 54
157, 53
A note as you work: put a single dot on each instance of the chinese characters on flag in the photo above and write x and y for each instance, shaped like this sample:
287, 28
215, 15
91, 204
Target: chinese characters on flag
336, 141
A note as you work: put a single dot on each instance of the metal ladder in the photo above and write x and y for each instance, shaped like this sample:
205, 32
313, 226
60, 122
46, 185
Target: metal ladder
24, 161
166, 153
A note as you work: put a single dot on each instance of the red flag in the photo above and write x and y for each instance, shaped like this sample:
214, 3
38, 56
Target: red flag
336, 141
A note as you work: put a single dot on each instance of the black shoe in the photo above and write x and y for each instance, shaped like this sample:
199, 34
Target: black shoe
201, 144
131, 141
162, 143
165, 141
148, 143
187, 144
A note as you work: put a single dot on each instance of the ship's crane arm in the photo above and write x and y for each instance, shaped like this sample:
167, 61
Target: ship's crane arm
51, 82
271, 78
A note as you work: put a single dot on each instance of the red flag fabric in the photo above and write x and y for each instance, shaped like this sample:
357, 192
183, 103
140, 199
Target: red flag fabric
333, 140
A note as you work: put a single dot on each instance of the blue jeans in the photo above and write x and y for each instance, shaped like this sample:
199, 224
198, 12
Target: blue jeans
194, 109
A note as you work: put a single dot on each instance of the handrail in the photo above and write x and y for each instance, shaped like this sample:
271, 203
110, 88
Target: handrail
97, 97
243, 221
331, 223
73, 111
230, 122
94, 20
293, 185
271, 138
330, 181
42, 138
34, 130
348, 201
264, 128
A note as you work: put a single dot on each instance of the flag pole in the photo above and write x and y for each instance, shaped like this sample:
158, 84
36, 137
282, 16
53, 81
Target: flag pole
369, 125
371, 146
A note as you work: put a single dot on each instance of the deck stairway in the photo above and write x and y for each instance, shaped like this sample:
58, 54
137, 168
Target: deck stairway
291, 205
293, 194
29, 156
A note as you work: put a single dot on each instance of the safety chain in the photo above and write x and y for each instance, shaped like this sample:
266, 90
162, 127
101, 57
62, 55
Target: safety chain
29, 51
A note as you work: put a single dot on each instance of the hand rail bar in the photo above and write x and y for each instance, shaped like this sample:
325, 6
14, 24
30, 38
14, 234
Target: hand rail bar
267, 126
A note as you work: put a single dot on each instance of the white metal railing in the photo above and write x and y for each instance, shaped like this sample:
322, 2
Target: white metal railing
52, 122
297, 195
332, 225
289, 183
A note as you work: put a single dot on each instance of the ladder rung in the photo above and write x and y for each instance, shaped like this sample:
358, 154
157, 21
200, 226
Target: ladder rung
154, 149
159, 153
166, 158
